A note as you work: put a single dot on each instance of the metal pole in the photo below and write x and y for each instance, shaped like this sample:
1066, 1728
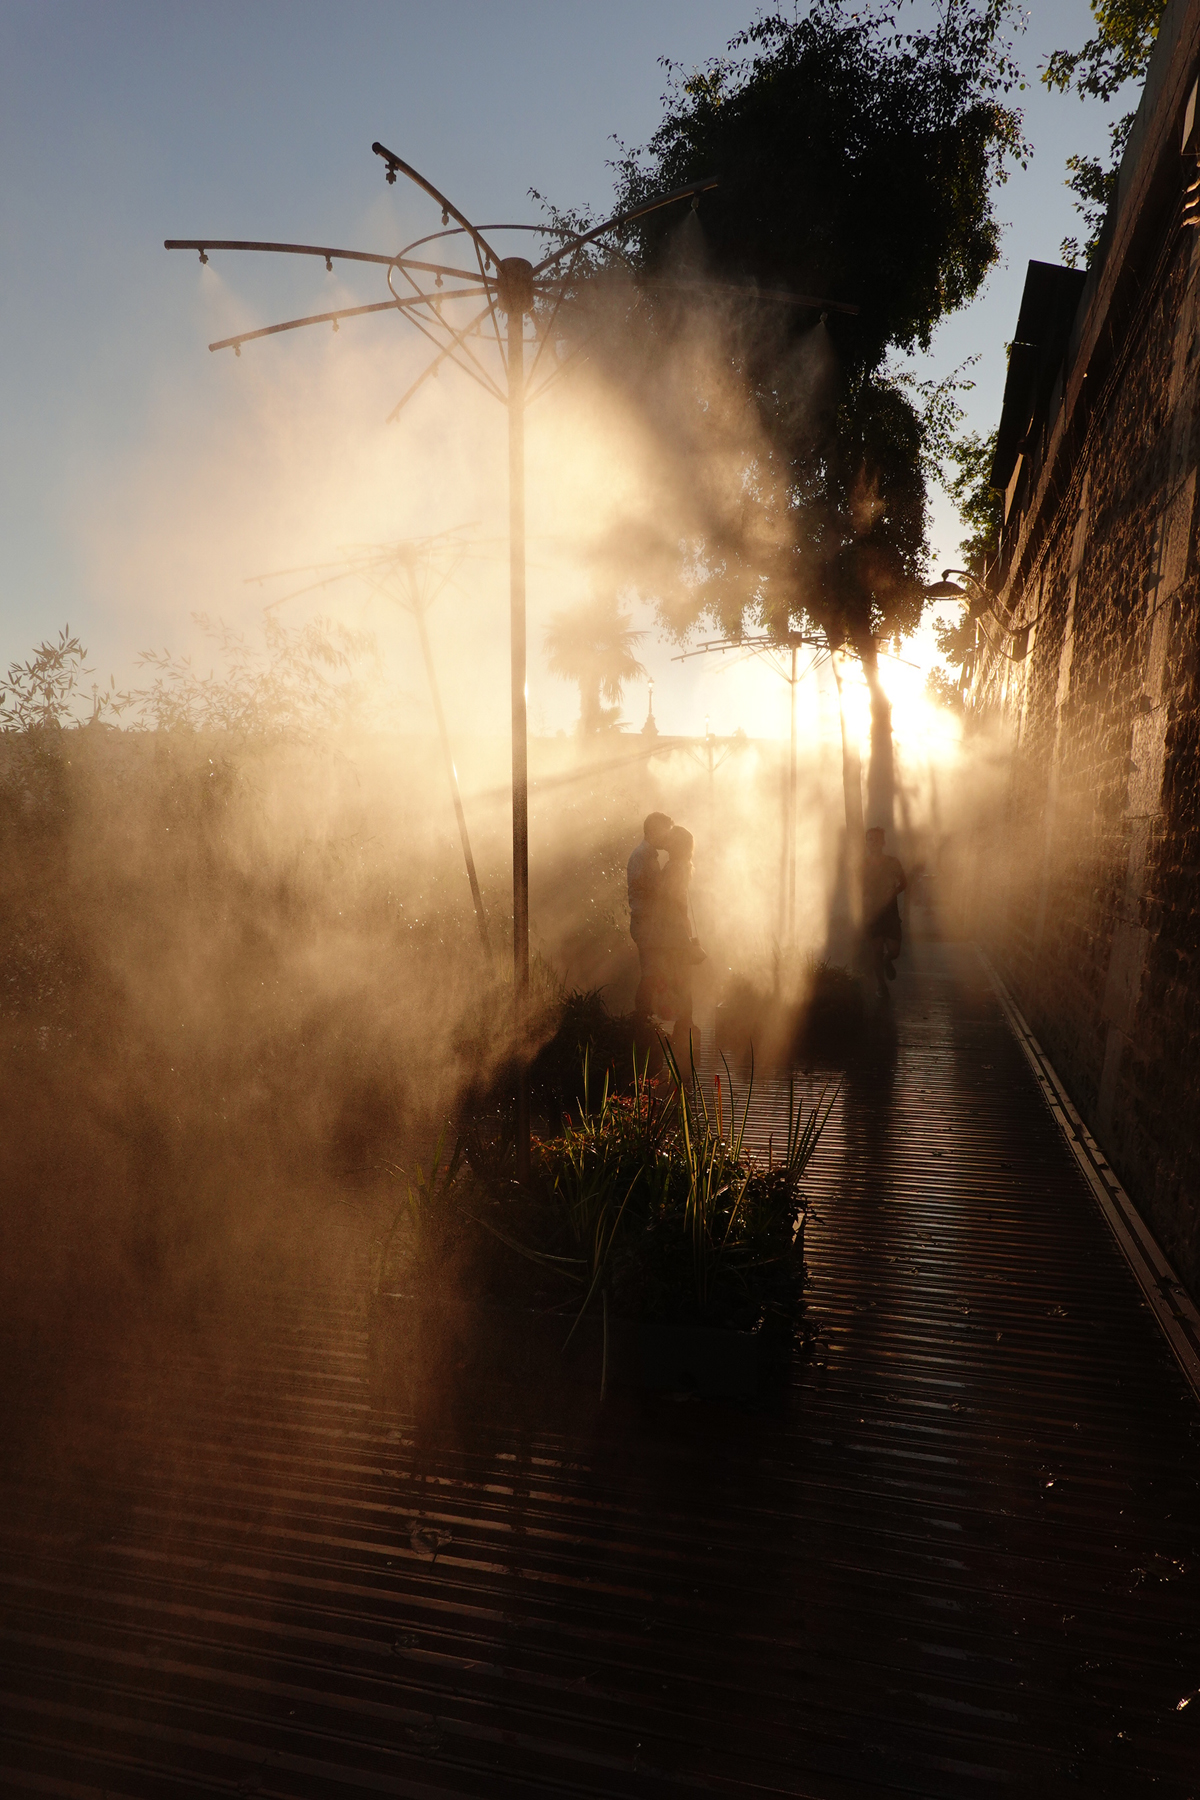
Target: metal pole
520, 757
791, 898
452, 772
852, 799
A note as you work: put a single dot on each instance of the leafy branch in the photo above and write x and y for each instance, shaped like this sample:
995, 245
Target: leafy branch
42, 693
302, 678
1118, 53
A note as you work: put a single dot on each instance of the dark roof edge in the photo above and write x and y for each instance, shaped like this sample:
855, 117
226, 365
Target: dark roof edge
1049, 305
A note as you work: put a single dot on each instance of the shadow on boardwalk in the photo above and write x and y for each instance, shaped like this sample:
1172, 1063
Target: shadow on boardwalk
960, 1556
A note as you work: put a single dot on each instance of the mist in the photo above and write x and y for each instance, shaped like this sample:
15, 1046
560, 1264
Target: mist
243, 983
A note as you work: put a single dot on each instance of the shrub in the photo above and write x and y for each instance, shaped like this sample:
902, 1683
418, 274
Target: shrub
816, 1011
650, 1202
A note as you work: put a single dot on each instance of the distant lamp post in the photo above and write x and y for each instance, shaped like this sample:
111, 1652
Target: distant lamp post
520, 290
650, 728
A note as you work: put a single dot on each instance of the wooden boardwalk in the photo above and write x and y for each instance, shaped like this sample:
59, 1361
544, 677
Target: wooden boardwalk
961, 1556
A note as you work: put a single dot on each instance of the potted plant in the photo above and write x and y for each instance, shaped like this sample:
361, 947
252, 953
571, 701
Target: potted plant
649, 1248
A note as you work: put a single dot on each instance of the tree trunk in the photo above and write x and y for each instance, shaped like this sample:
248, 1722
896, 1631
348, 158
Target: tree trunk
852, 801
881, 775
590, 715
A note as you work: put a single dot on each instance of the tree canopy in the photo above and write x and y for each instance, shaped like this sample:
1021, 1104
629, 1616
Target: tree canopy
594, 645
857, 162
1119, 52
1098, 70
980, 505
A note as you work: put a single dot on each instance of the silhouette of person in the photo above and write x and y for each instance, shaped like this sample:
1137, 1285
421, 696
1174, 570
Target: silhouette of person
643, 876
883, 881
679, 950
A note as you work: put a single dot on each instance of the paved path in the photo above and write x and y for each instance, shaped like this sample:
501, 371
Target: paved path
962, 1558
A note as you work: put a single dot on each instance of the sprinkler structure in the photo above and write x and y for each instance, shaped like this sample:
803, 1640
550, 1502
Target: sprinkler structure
780, 653
424, 279
413, 572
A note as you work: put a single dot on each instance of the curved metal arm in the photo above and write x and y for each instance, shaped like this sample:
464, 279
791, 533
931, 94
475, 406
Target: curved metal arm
982, 599
445, 354
458, 231
990, 602
693, 190
203, 245
350, 312
397, 164
325, 318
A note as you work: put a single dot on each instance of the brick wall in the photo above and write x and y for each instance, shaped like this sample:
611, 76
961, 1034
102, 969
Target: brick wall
1087, 887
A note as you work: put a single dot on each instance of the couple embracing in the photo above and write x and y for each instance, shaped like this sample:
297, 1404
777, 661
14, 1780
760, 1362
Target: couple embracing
660, 925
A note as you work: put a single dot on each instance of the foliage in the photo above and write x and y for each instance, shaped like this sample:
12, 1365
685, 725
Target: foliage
652, 1200
942, 691
426, 1228
41, 694
831, 1018
980, 507
301, 679
857, 161
1094, 187
583, 1028
561, 1028
583, 1180
940, 413
955, 639
594, 645
1118, 53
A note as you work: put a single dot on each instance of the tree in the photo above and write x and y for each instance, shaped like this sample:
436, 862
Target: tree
303, 678
981, 510
1119, 52
594, 645
980, 506
942, 690
856, 161
42, 694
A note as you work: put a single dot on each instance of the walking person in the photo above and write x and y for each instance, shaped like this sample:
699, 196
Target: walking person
883, 881
644, 875
679, 949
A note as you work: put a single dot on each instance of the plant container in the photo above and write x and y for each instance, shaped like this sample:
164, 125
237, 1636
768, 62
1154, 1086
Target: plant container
435, 1353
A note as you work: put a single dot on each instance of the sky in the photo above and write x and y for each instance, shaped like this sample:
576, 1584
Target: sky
143, 480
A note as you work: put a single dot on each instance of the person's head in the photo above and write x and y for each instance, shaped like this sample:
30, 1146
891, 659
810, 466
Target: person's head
875, 839
657, 829
679, 844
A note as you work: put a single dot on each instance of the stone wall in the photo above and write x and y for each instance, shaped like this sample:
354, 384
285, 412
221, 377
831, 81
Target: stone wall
1087, 887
